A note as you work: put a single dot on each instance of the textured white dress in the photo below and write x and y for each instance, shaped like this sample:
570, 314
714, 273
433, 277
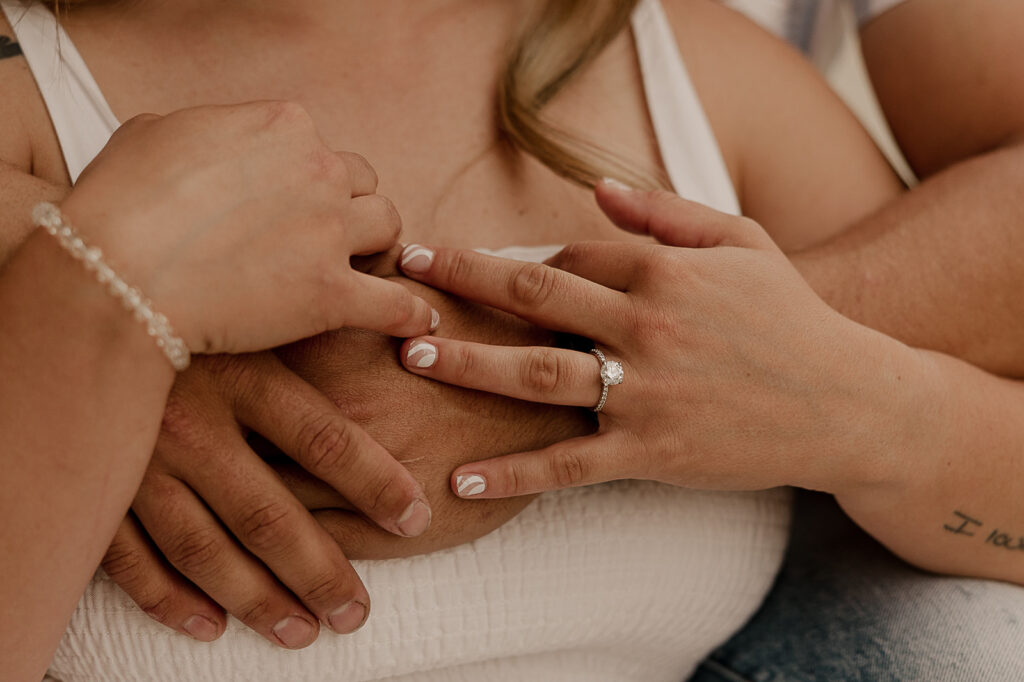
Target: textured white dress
619, 582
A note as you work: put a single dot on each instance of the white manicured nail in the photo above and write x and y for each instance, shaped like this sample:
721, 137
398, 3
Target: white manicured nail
422, 354
616, 184
435, 320
470, 485
416, 258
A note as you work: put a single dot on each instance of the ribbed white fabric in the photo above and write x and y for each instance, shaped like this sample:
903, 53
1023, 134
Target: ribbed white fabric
618, 582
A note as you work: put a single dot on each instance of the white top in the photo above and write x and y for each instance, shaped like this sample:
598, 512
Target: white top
623, 581
797, 20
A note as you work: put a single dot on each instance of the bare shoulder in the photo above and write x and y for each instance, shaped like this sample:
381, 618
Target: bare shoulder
728, 58
802, 163
27, 139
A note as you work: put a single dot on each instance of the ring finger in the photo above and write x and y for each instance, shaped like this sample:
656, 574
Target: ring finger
539, 374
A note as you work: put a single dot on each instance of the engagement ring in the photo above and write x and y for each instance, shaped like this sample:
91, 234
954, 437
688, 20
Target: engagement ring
611, 375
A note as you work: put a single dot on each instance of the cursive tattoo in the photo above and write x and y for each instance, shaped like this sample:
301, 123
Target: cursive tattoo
8, 48
997, 538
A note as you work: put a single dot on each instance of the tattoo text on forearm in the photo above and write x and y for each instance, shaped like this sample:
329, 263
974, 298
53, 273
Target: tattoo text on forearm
967, 525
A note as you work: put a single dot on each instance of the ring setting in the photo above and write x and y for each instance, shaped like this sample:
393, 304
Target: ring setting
612, 374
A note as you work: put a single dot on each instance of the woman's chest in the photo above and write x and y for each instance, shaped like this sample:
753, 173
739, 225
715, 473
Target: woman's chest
424, 116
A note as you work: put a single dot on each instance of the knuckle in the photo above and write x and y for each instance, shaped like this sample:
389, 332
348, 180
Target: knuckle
403, 311
391, 219
463, 363
363, 164
124, 563
266, 527
517, 479
569, 469
747, 223
532, 285
179, 420
634, 321
195, 552
568, 257
663, 262
460, 267
158, 605
323, 588
328, 442
384, 493
254, 611
542, 371
325, 166
659, 265
286, 114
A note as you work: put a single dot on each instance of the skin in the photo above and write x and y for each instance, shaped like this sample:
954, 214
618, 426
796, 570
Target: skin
937, 269
71, 352
519, 201
894, 433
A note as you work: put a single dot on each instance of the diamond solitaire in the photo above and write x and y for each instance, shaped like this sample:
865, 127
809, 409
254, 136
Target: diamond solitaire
611, 375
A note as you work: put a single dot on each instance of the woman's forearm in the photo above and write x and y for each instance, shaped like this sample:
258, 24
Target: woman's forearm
953, 503
83, 391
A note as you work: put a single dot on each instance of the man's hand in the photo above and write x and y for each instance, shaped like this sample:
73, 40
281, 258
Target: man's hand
228, 526
429, 427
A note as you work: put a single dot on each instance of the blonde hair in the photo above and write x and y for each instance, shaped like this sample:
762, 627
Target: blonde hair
564, 37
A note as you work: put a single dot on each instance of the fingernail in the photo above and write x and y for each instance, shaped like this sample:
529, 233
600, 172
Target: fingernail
616, 184
435, 320
294, 632
201, 628
347, 618
469, 485
416, 258
415, 519
422, 354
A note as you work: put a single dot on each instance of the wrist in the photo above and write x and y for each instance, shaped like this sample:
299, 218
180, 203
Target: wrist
63, 296
829, 275
91, 258
890, 416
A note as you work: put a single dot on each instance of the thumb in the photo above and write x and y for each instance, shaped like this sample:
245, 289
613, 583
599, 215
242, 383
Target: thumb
675, 221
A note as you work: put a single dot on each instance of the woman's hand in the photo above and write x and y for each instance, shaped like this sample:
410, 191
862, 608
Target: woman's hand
736, 375
239, 223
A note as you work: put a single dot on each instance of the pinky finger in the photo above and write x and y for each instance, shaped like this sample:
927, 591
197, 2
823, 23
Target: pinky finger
157, 588
575, 462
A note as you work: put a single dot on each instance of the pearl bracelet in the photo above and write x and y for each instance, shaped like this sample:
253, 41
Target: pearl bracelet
50, 218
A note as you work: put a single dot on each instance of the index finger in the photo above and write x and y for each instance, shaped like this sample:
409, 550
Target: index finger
538, 293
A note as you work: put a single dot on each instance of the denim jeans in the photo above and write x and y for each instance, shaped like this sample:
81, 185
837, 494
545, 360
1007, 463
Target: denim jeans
844, 608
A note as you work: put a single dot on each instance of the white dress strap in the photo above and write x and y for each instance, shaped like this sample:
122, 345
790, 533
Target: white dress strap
687, 143
81, 116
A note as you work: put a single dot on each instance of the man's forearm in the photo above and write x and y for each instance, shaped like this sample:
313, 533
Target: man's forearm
940, 268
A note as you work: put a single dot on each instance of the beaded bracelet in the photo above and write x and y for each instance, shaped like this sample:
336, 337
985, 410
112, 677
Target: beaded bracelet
50, 218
